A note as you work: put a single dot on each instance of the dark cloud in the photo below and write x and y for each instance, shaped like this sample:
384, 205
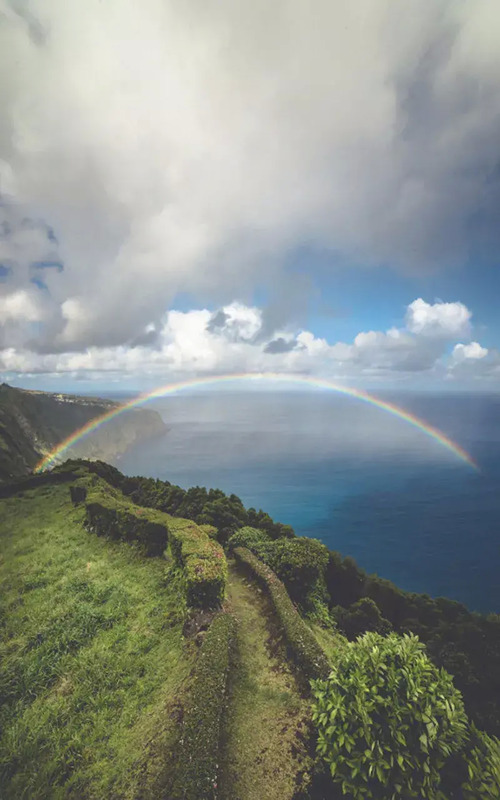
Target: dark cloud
359, 132
280, 345
217, 321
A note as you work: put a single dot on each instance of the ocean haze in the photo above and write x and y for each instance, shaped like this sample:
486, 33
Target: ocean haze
363, 481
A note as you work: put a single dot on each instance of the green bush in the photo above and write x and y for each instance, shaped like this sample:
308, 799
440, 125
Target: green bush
301, 643
252, 538
301, 564
483, 767
387, 719
198, 764
108, 519
364, 615
210, 530
203, 563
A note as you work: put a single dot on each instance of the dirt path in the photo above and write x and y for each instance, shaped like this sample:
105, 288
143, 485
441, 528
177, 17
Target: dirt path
264, 754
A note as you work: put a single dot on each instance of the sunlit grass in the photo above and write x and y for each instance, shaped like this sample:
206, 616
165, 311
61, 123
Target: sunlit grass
93, 661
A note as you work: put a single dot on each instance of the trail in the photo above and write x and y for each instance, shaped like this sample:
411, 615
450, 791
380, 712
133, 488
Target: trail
265, 742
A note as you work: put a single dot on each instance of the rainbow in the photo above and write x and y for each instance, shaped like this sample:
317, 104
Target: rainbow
319, 383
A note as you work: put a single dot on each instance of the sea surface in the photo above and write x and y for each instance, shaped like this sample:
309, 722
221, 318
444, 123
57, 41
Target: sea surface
366, 483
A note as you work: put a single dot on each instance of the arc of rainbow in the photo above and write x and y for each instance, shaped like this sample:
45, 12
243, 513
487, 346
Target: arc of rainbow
319, 383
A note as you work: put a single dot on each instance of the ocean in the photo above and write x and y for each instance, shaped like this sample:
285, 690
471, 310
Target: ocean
363, 481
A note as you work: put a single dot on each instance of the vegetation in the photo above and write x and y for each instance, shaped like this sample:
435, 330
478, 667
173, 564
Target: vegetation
265, 750
198, 768
482, 756
202, 560
33, 423
205, 507
94, 664
112, 686
299, 562
303, 646
387, 719
466, 644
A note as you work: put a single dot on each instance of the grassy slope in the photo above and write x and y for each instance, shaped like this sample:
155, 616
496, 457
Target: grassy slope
266, 726
93, 662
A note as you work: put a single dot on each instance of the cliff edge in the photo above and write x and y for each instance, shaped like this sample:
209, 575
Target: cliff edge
33, 423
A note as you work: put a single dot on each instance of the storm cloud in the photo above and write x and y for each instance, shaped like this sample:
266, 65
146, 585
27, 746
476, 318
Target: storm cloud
191, 148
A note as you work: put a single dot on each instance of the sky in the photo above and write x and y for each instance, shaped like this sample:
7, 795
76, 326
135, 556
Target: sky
199, 188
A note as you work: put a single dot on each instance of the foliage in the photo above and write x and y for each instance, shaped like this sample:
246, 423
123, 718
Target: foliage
364, 615
121, 523
466, 644
202, 560
387, 719
300, 563
301, 643
197, 770
92, 658
483, 767
200, 557
252, 538
213, 506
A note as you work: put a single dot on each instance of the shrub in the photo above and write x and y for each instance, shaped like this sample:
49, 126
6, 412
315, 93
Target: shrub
301, 643
203, 563
210, 530
198, 765
364, 615
109, 519
301, 564
252, 538
387, 719
483, 767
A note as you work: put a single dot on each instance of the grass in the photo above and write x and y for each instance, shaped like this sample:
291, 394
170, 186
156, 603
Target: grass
265, 743
94, 666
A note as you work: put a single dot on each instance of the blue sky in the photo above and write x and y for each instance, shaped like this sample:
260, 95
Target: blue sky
315, 192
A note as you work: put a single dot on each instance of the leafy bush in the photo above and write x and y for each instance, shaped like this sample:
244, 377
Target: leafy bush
387, 719
210, 530
483, 767
198, 765
302, 645
120, 522
203, 563
252, 538
300, 563
364, 615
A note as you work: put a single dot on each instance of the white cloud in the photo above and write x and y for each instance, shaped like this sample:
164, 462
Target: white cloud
472, 362
447, 320
20, 306
190, 147
199, 342
473, 350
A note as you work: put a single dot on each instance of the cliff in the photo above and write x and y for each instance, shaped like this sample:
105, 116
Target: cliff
33, 423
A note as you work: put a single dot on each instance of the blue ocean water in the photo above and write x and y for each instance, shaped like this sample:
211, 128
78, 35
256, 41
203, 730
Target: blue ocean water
364, 482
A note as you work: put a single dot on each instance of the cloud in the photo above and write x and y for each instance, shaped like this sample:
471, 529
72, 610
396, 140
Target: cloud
200, 342
192, 148
471, 362
236, 322
472, 351
280, 345
447, 320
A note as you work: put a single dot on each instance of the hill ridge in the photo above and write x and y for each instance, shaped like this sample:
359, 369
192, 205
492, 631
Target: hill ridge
33, 423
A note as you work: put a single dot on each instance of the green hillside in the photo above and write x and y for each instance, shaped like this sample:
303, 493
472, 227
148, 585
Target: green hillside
33, 423
155, 644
